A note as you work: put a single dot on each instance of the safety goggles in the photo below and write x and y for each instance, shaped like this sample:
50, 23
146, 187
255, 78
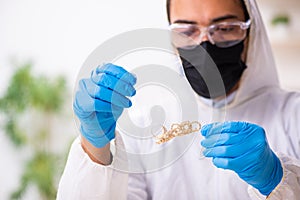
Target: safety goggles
224, 34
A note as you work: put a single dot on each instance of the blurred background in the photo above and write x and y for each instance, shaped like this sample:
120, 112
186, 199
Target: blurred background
42, 47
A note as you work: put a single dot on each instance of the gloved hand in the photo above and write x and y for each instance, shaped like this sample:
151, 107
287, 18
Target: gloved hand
243, 148
100, 101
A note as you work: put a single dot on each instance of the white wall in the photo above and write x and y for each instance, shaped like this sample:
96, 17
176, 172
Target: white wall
285, 40
59, 35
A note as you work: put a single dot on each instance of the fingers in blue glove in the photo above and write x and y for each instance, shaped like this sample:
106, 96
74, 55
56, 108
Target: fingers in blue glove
243, 148
226, 127
229, 139
226, 163
103, 93
117, 72
233, 157
122, 87
238, 164
85, 105
226, 151
217, 140
100, 101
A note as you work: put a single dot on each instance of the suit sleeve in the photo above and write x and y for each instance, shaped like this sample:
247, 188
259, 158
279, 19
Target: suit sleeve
84, 179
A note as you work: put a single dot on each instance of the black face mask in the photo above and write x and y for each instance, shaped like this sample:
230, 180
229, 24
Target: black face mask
206, 79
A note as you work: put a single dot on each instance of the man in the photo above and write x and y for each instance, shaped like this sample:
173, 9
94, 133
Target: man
261, 119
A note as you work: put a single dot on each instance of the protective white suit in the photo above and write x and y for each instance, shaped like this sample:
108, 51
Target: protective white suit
258, 100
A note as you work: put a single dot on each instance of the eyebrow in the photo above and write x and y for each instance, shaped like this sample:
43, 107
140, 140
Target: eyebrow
222, 18
182, 21
218, 19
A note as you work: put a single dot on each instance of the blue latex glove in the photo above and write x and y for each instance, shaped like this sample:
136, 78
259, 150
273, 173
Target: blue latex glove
100, 101
243, 148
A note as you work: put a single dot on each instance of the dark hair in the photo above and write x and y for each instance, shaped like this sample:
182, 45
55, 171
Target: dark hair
168, 10
240, 1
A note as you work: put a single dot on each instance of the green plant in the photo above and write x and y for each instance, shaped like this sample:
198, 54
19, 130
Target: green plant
27, 94
39, 171
280, 19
